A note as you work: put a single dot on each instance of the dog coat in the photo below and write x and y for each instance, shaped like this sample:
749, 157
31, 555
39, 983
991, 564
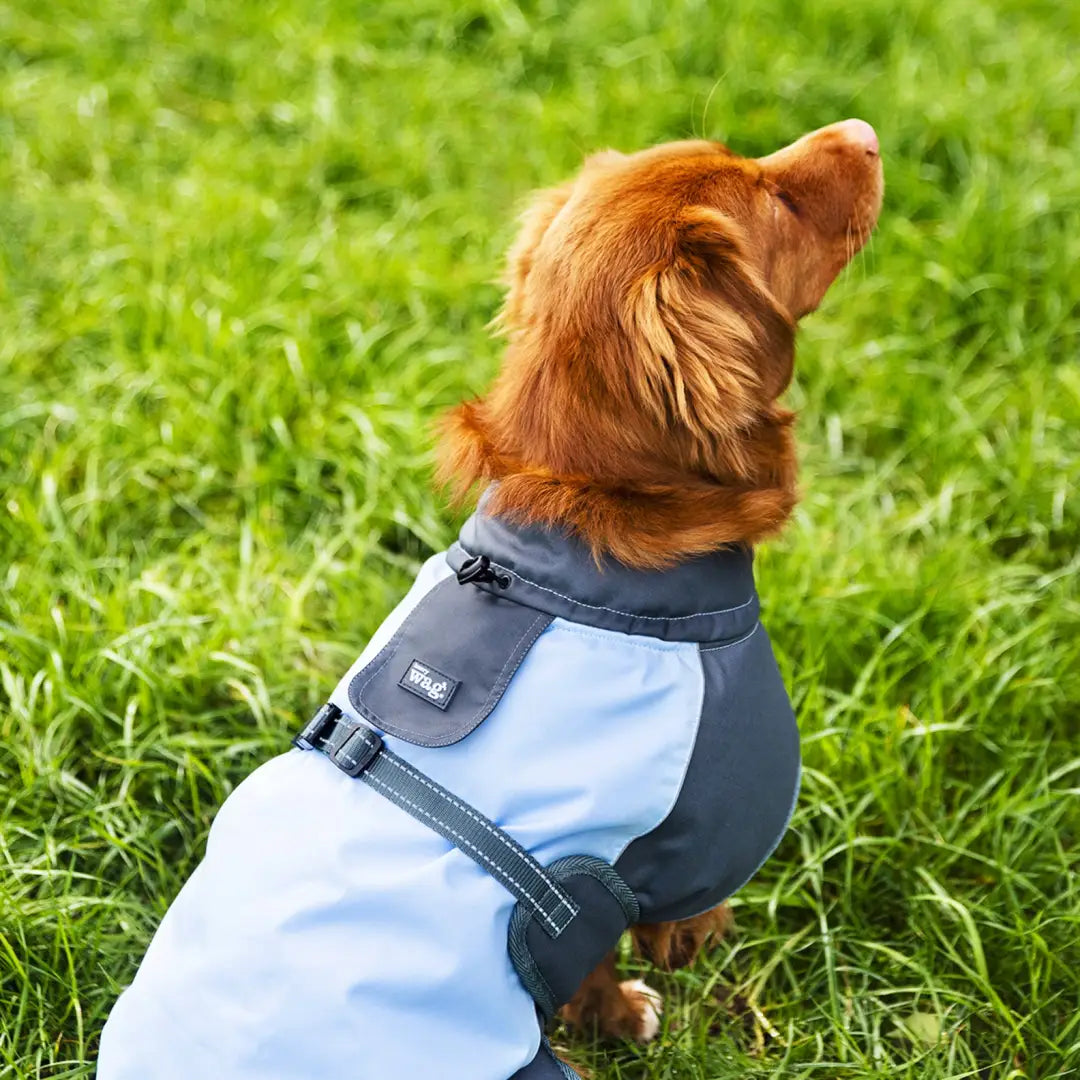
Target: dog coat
627, 731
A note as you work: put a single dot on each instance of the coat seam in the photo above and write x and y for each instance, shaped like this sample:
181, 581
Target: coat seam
691, 748
730, 644
635, 641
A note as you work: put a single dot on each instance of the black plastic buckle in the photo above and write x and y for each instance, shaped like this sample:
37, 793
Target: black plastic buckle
358, 751
316, 729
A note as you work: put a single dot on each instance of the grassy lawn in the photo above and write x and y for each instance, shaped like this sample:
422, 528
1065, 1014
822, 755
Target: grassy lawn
246, 257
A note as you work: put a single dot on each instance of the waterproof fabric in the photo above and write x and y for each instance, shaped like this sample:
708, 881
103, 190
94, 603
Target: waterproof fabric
327, 934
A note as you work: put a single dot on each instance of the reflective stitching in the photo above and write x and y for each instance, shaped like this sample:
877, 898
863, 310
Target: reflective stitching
499, 835
615, 611
737, 641
528, 630
496, 869
629, 614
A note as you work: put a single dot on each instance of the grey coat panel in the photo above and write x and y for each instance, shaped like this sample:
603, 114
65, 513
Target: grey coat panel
739, 791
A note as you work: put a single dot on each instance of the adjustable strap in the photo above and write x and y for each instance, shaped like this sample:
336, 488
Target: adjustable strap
359, 751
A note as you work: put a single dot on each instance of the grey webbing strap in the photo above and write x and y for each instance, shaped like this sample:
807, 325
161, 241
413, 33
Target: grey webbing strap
359, 751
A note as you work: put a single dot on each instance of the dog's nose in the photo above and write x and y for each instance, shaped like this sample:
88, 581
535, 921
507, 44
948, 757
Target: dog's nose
859, 131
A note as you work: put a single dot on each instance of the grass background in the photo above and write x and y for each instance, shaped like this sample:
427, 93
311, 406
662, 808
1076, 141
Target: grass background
246, 254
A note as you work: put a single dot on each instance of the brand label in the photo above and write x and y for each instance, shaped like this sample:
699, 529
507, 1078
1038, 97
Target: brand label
428, 683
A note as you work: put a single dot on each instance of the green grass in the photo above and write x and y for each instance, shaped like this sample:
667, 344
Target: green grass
246, 254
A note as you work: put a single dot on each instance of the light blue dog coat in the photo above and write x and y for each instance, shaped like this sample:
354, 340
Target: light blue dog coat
637, 718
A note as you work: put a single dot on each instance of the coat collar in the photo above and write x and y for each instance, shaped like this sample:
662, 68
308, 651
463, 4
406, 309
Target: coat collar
706, 599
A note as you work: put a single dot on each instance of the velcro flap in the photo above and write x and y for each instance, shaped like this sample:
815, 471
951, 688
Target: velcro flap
447, 666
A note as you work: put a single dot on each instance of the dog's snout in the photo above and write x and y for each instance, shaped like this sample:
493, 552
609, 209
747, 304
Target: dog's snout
861, 133
843, 136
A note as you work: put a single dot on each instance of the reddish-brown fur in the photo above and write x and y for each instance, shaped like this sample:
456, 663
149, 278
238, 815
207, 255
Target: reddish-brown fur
614, 1010
651, 312
651, 318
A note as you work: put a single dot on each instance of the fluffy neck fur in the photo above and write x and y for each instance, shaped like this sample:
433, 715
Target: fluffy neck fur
642, 510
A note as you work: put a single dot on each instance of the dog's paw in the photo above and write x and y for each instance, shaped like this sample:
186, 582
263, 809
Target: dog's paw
647, 1005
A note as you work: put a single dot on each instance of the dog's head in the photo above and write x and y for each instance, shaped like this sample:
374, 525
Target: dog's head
651, 312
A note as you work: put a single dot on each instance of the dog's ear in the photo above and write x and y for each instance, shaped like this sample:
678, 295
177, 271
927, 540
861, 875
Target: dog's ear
537, 217
715, 346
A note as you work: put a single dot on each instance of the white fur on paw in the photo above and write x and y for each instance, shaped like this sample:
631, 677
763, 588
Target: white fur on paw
652, 1005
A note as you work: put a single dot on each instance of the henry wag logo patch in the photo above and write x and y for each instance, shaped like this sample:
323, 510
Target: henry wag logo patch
428, 683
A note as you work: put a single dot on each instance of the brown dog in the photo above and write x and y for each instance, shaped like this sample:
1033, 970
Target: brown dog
651, 314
